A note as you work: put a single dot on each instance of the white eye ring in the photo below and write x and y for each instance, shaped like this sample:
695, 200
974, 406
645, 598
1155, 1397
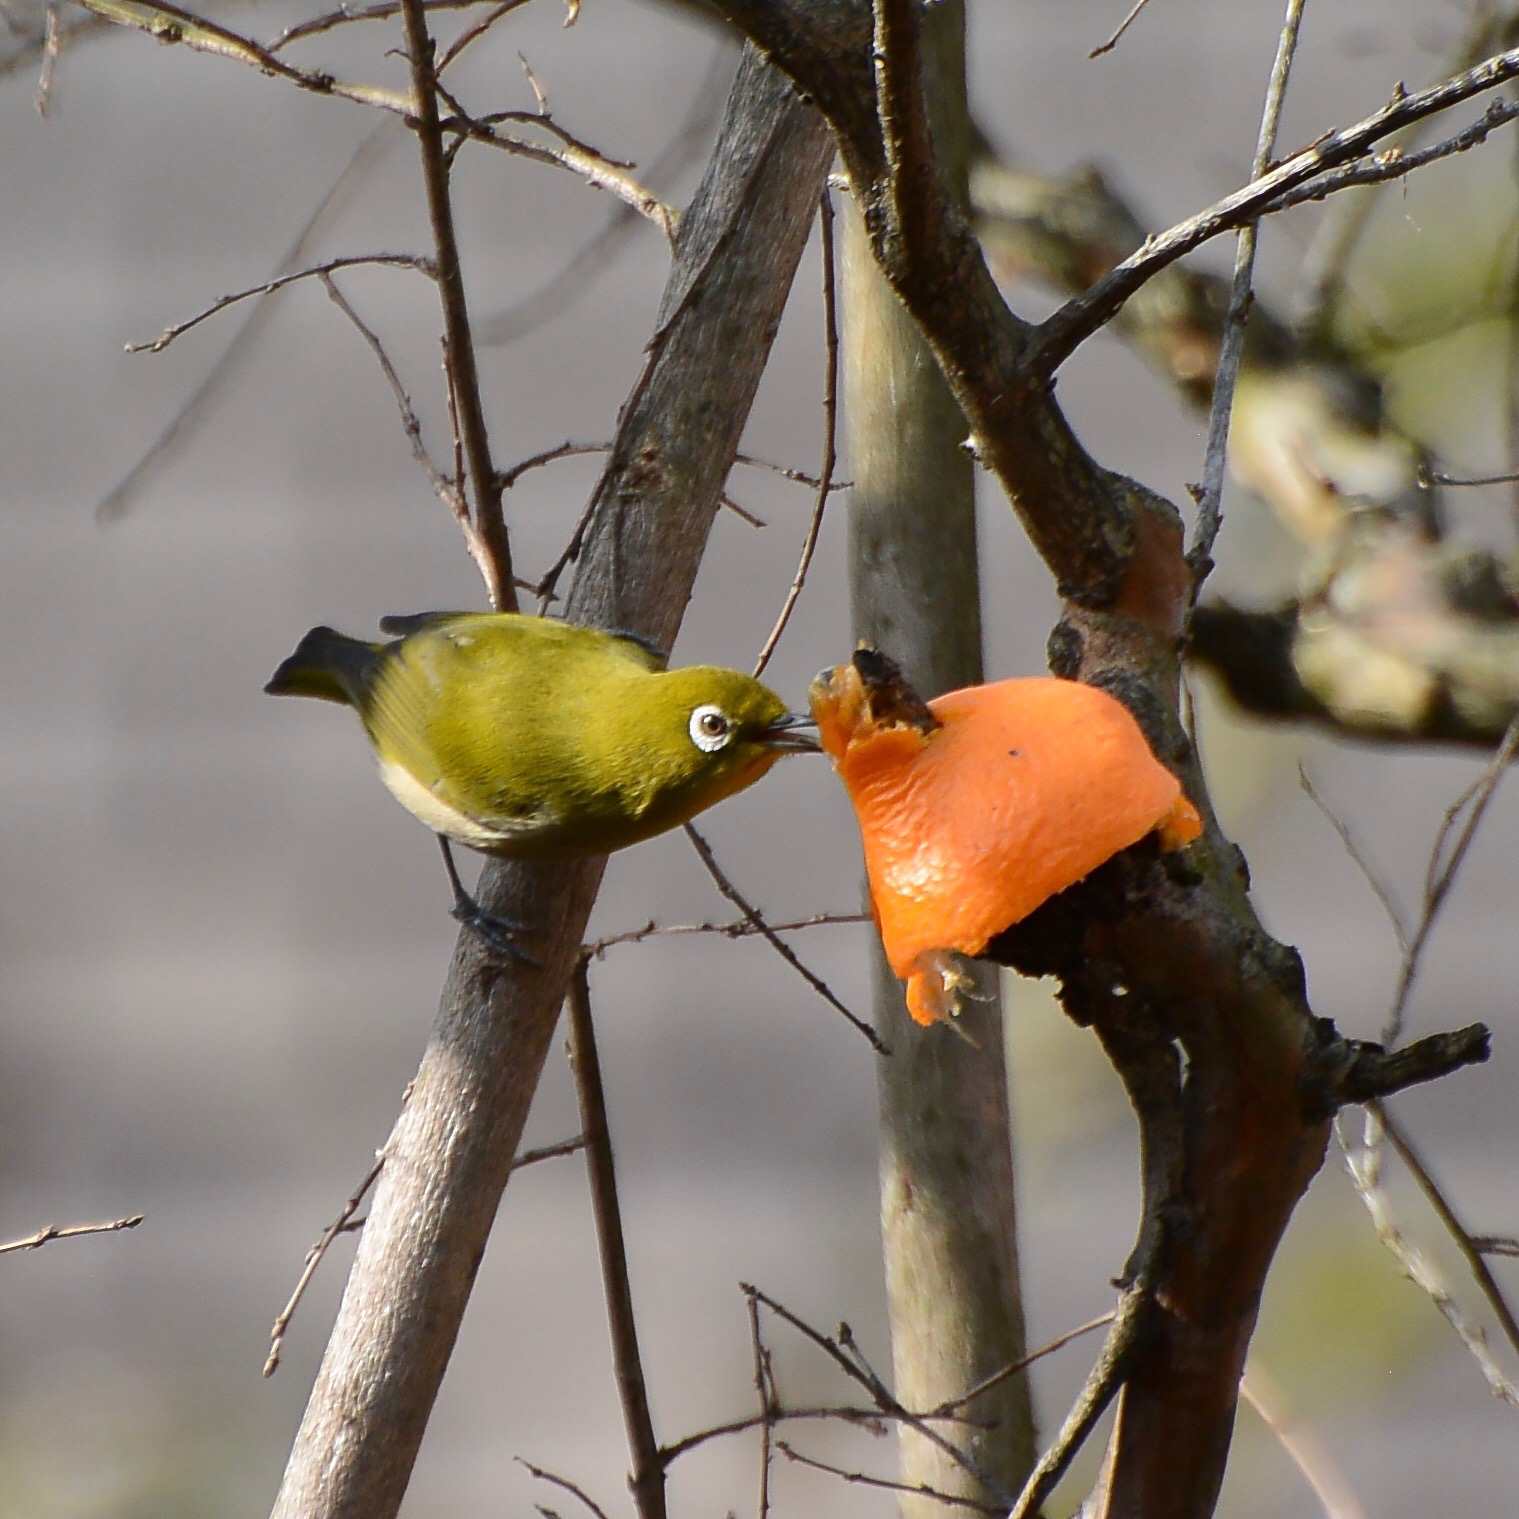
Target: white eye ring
710, 728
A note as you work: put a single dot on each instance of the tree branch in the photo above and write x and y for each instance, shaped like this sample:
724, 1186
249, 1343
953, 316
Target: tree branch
647, 1479
459, 346
453, 1144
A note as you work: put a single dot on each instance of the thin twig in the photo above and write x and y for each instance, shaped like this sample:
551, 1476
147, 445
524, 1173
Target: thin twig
1100, 1388
565, 450
858, 1370
797, 476
871, 1419
948, 1409
463, 374
52, 41
779, 945
1055, 339
741, 512
648, 1477
1365, 1167
313, 271
573, 156
922, 1489
1466, 1243
387, 10
764, 1385
116, 502
172, 23
555, 1151
50, 1232
1379, 887
1395, 164
1232, 344
830, 430
1304, 1448
410, 423
1123, 26
738, 928
579, 1492
476, 30
339, 1225
1443, 867
576, 275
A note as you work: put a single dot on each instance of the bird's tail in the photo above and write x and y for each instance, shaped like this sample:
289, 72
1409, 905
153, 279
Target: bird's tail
328, 665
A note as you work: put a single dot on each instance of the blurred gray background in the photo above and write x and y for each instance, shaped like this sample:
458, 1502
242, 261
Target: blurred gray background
221, 942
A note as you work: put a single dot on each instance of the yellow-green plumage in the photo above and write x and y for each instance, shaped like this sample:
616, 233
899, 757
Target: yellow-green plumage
529, 737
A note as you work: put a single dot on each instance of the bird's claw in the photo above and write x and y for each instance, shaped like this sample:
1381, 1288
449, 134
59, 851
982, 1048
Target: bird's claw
494, 933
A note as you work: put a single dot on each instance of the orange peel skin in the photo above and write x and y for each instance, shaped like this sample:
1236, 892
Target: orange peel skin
980, 806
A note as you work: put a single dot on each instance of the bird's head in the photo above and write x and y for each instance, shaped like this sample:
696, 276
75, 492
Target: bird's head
723, 729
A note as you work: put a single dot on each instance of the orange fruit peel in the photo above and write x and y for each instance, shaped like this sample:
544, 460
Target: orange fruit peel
982, 804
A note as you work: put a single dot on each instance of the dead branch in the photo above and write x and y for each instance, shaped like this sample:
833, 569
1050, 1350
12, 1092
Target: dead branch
49, 1232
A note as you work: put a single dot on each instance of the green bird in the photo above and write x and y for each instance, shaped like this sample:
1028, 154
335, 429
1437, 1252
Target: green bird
536, 739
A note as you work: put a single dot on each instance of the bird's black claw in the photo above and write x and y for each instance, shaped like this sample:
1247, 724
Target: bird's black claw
494, 933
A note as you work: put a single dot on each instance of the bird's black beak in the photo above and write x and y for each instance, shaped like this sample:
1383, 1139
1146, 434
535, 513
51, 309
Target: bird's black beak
782, 734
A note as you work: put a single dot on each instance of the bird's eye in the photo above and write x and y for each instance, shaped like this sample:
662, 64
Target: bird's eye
710, 728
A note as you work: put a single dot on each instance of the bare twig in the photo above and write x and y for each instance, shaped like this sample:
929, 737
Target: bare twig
1058, 337
779, 945
386, 10
1013, 1368
562, 287
858, 1370
951, 1500
50, 1232
121, 496
565, 450
1304, 1448
1379, 887
1101, 1387
410, 422
172, 23
278, 282
346, 1223
476, 30
764, 1385
1437, 477
342, 1223
1445, 861
1232, 345
1393, 164
51, 43
463, 375
872, 1420
830, 430
579, 1492
797, 476
1365, 1167
648, 1476
1123, 26
554, 1151
573, 156
739, 928
1466, 1243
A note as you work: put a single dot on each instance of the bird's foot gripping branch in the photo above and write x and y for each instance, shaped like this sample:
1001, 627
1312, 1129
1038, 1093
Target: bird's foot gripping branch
1031, 823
